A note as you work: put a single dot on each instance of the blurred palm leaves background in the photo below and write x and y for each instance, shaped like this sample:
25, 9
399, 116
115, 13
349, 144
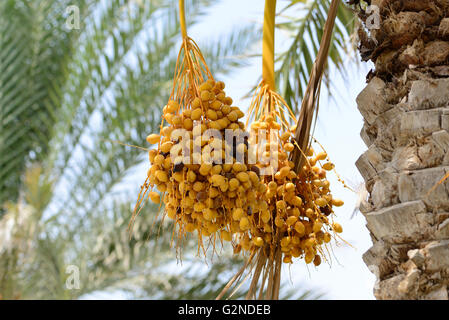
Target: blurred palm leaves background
65, 96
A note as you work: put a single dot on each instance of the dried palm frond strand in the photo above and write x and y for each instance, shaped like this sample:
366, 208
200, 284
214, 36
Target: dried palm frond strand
310, 102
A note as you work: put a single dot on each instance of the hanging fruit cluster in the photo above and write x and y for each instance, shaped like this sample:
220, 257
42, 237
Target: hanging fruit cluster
203, 176
300, 205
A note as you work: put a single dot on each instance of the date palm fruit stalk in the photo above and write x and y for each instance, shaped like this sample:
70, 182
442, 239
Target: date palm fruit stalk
203, 180
298, 221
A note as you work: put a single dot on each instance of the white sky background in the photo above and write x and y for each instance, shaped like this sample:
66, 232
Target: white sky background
338, 130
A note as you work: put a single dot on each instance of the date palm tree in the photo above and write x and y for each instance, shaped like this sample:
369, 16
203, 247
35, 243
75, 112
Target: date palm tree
406, 129
65, 94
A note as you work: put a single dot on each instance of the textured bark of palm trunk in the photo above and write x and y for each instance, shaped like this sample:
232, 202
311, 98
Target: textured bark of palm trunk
406, 110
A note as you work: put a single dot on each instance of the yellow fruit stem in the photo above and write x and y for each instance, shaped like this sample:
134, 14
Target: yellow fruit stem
182, 19
268, 44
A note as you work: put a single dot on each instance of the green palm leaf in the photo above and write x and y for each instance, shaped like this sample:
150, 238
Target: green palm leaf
294, 65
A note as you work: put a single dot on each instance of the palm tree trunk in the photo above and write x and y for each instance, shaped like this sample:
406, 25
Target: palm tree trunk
406, 128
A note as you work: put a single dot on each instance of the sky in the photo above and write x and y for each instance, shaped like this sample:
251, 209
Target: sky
338, 130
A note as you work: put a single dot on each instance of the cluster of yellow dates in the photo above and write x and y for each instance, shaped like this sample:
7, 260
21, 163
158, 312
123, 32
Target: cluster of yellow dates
219, 193
299, 204
213, 190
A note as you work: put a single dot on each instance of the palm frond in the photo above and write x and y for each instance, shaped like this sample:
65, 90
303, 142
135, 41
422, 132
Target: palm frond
34, 52
295, 64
